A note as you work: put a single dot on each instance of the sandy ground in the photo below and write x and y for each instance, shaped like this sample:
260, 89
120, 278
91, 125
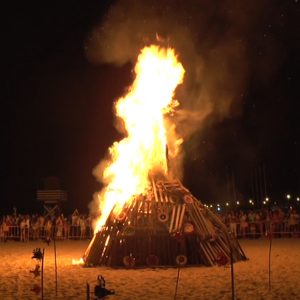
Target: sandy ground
251, 277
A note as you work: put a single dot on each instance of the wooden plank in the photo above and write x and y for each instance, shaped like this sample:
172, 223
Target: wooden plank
205, 255
178, 211
181, 217
172, 219
154, 190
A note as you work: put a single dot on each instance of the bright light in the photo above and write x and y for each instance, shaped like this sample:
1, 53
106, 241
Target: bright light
211, 205
227, 204
288, 196
147, 131
264, 202
237, 202
298, 199
77, 261
218, 209
250, 201
218, 204
267, 199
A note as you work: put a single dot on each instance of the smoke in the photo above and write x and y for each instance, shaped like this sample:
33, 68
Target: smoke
207, 35
213, 41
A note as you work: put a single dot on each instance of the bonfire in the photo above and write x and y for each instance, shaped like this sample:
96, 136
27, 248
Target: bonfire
147, 217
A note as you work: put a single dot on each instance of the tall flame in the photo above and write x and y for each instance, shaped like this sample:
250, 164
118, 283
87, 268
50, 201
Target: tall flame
143, 150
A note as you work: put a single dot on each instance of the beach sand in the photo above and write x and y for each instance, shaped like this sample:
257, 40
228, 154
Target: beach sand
251, 276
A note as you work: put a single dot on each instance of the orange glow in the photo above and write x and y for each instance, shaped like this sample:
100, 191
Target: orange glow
143, 151
77, 261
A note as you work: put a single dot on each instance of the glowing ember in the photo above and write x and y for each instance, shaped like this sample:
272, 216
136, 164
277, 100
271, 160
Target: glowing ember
143, 150
77, 261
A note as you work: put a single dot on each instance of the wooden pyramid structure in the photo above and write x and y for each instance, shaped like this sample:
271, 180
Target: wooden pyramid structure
168, 227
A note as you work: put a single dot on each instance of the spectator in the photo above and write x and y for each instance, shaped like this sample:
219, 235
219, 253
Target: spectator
59, 227
22, 228
281, 226
41, 224
75, 218
48, 229
27, 226
35, 228
244, 224
293, 221
66, 227
1, 232
267, 220
232, 224
78, 226
258, 223
5, 228
82, 224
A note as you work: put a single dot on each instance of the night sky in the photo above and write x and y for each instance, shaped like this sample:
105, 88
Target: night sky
57, 115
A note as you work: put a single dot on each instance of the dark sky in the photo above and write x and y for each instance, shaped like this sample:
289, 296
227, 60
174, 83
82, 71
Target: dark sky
57, 110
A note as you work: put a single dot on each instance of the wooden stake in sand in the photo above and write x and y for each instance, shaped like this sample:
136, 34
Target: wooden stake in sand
55, 262
231, 269
270, 250
42, 276
177, 280
87, 291
232, 274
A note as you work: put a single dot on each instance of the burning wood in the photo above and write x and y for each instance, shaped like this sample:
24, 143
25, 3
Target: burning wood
143, 150
146, 218
143, 233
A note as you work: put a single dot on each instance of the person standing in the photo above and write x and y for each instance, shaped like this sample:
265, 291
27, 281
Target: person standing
41, 224
82, 224
48, 228
27, 228
232, 224
1, 231
35, 228
66, 227
5, 226
244, 224
22, 228
59, 227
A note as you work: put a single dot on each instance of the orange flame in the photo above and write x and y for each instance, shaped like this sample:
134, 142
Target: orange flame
77, 261
143, 150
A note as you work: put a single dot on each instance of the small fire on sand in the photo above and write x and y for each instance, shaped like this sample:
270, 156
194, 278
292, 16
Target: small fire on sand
77, 261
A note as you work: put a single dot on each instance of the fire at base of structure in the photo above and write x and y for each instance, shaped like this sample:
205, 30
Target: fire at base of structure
168, 227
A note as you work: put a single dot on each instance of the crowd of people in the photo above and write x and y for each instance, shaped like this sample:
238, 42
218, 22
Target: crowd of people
260, 222
241, 223
35, 227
